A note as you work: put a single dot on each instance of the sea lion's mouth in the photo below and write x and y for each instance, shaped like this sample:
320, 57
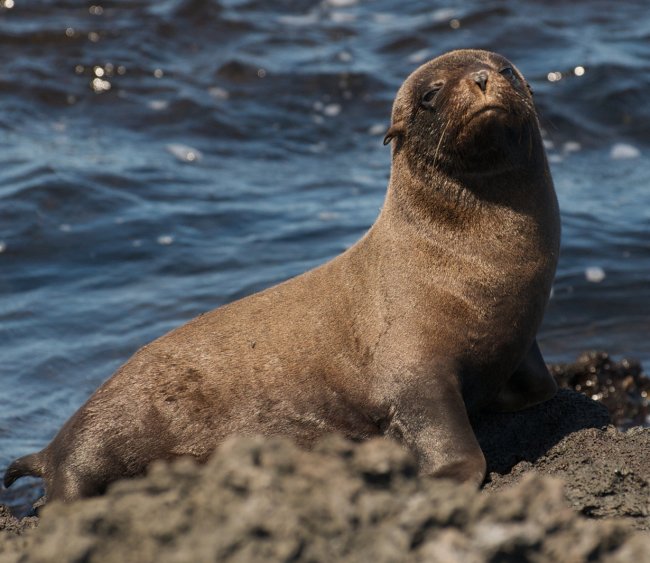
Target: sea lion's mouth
491, 109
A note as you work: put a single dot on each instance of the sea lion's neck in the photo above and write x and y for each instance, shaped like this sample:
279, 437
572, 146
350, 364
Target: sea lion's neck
454, 202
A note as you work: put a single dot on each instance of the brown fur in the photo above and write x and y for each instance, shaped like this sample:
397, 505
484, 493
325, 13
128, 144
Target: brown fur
431, 314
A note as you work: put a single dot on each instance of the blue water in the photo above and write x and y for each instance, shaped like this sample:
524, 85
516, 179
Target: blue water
161, 158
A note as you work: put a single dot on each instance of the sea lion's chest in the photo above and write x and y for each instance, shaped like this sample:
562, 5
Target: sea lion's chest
478, 294
503, 276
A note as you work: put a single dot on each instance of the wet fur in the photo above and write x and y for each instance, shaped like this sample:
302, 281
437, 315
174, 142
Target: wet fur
431, 314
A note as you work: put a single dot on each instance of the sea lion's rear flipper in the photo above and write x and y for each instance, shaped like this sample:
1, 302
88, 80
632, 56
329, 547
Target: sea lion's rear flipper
31, 464
530, 384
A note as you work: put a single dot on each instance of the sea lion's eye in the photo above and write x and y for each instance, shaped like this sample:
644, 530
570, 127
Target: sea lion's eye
508, 72
428, 96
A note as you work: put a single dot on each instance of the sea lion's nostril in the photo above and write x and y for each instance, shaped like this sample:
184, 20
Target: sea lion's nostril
481, 78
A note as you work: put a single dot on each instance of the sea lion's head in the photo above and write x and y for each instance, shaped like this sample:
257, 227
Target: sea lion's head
466, 112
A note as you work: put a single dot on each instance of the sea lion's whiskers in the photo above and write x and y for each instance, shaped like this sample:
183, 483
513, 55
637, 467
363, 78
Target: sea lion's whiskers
442, 137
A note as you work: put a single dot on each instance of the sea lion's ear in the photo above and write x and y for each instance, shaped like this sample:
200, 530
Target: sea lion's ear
395, 131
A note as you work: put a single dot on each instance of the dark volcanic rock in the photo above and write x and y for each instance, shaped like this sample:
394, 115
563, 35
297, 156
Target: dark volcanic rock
607, 473
621, 386
263, 499
12, 525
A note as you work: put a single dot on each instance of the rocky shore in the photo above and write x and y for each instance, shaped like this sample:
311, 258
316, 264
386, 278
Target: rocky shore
562, 485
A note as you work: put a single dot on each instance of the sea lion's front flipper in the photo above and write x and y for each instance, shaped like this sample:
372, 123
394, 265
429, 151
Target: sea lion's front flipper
431, 420
530, 384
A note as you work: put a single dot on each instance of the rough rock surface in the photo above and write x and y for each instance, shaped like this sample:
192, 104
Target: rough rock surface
621, 386
261, 499
607, 473
265, 500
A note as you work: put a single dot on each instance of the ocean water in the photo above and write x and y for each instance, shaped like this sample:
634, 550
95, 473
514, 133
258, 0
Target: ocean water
159, 158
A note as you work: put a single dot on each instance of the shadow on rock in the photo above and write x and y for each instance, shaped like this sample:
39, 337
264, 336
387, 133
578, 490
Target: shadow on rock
509, 438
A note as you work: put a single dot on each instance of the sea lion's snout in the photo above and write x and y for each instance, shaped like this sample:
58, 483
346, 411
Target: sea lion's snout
480, 77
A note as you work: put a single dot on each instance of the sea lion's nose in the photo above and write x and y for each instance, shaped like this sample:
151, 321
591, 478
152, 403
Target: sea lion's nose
481, 78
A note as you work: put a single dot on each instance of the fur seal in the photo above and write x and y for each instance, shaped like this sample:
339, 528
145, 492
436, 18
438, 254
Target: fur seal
430, 316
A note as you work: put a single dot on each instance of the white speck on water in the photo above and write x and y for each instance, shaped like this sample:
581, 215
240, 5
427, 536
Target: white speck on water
378, 129
185, 153
318, 148
554, 76
3, 246
383, 17
454, 24
93, 36
344, 56
419, 56
65, 228
364, 179
555, 158
571, 146
623, 151
219, 93
100, 85
332, 110
328, 215
342, 17
340, 3
299, 21
158, 73
443, 14
548, 144
594, 274
158, 105
579, 71
165, 240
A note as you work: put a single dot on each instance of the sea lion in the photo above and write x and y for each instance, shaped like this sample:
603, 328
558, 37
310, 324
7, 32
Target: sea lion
430, 316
